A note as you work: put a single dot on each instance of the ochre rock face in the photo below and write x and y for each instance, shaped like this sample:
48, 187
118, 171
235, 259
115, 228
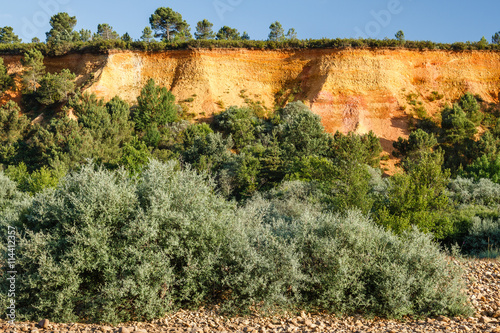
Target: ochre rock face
351, 89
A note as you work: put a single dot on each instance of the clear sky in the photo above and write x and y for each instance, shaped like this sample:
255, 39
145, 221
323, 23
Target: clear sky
436, 20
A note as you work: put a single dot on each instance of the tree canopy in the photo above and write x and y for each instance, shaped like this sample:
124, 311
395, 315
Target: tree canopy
227, 33
33, 69
155, 106
7, 36
277, 32
167, 23
5, 80
106, 32
62, 28
204, 30
55, 88
147, 35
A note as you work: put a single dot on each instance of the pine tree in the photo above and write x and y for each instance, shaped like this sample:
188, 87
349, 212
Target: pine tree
106, 32
5, 80
204, 30
277, 33
55, 88
62, 28
147, 35
167, 23
7, 36
33, 69
227, 33
155, 106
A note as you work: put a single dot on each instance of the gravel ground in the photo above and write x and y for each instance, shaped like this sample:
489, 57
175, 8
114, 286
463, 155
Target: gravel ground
483, 278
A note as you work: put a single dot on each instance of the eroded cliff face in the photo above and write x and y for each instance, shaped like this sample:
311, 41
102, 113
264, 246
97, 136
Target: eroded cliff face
352, 90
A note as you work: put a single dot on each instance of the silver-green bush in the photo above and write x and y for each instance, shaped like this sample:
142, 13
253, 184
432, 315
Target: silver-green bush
483, 238
109, 248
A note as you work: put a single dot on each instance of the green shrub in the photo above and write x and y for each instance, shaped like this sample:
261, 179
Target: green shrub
350, 265
484, 167
55, 88
6, 81
35, 182
105, 247
467, 191
483, 237
241, 123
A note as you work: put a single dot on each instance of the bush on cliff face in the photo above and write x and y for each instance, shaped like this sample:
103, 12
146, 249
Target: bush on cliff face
106, 247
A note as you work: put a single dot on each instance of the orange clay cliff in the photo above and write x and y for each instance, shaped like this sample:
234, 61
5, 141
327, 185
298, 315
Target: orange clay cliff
351, 89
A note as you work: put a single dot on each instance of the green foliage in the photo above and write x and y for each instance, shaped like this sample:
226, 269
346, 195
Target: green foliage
241, 123
106, 32
495, 39
483, 43
102, 247
136, 154
457, 135
107, 123
457, 127
416, 146
7, 36
185, 43
184, 35
400, 36
35, 182
349, 264
13, 126
6, 81
63, 143
84, 35
204, 30
227, 33
10, 198
277, 32
483, 237
435, 96
481, 192
418, 198
486, 166
208, 151
300, 131
155, 106
167, 23
62, 28
126, 38
471, 107
55, 88
194, 132
33, 69
291, 34
357, 148
147, 35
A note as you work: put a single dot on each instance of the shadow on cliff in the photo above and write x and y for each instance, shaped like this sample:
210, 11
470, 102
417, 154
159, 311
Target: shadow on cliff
400, 123
184, 69
306, 86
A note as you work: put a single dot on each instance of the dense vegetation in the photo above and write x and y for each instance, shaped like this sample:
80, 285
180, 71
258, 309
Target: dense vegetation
256, 210
125, 212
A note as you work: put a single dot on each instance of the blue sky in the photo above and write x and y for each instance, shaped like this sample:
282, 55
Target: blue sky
439, 21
